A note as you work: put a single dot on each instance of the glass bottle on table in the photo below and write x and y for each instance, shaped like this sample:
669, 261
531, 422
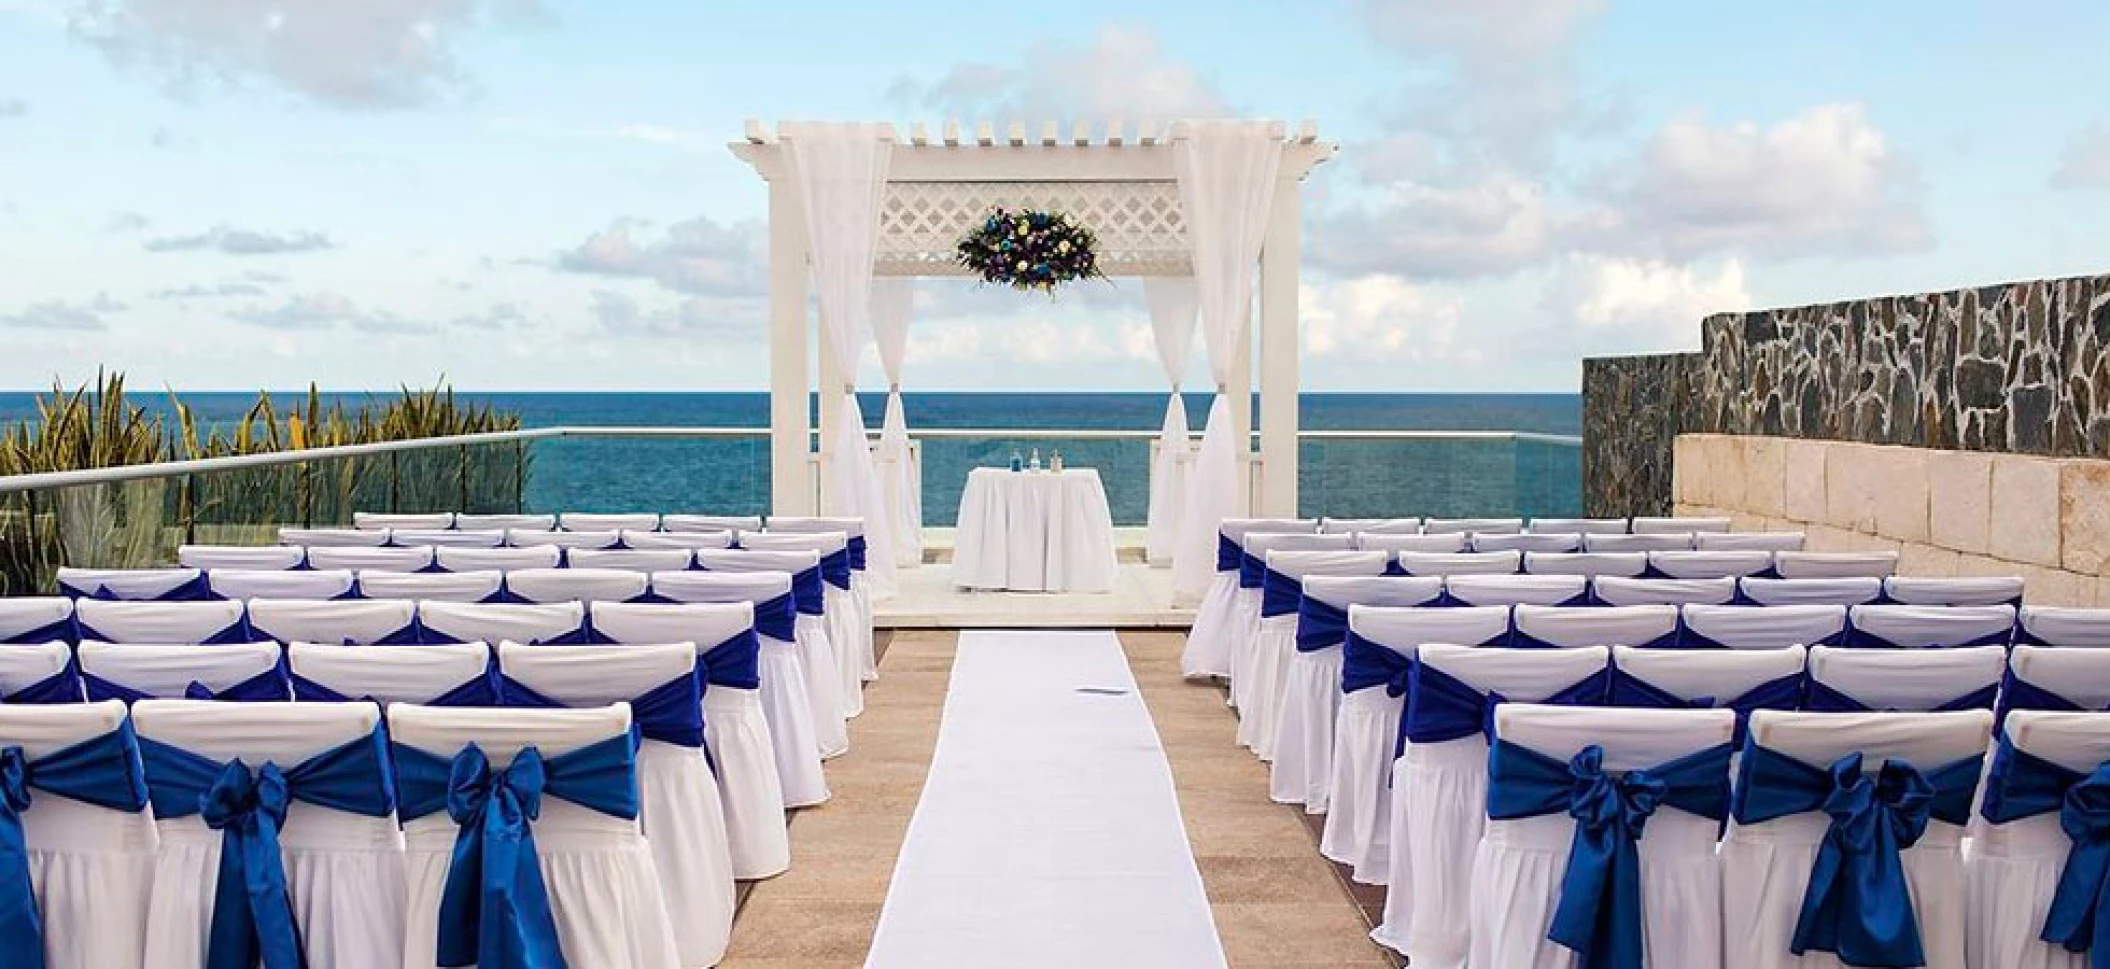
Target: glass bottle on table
1055, 461
1033, 463
1018, 462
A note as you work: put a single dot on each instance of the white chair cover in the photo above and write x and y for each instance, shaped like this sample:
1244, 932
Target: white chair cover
1528, 542
448, 537
281, 583
505, 523
1583, 526
1312, 689
1709, 565
1375, 526
816, 647
1520, 864
1246, 678
1911, 681
794, 740
1213, 639
1834, 565
1763, 627
1567, 628
1717, 674
354, 621
1650, 542
2061, 626
1461, 563
333, 537
1472, 526
1442, 543
1630, 564
1675, 525
2080, 676
1511, 590
168, 669
36, 619
1358, 820
409, 559
861, 588
1613, 590
1965, 591
344, 871
1766, 866
680, 813
604, 888
161, 622
441, 586
92, 867
2012, 870
382, 521
849, 623
1439, 801
499, 559
142, 585
677, 539
27, 664
579, 521
1931, 626
711, 523
486, 622
632, 559
576, 585
242, 556
1748, 541
1851, 591
399, 674
564, 539
1290, 706
738, 732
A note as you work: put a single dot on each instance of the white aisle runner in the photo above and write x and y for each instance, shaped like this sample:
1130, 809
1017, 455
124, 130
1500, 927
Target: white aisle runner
1048, 834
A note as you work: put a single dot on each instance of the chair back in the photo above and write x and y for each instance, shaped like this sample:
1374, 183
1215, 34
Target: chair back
1930, 627
1342, 591
677, 540
592, 676
1835, 565
2080, 676
711, 523
1849, 591
1922, 680
1650, 542
36, 619
1298, 564
1460, 563
505, 523
1580, 526
705, 624
1405, 629
1528, 542
1512, 590
1236, 529
576, 585
1447, 543
1586, 563
488, 622
1709, 565
43, 729
580, 521
1963, 591
1763, 627
385, 521
2062, 626
1613, 590
826, 543
1519, 675
1566, 627
502, 733
449, 537
333, 537
1926, 740
629, 559
167, 670
161, 622
807, 525
355, 621
409, 559
281, 583
751, 560
565, 539
139, 585
500, 559
1375, 526
1472, 526
242, 556
440, 586
692, 586
2076, 741
1721, 675
29, 664
1748, 541
399, 674
1678, 525
1630, 739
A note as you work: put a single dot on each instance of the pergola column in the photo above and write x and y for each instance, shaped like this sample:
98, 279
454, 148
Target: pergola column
790, 417
1281, 252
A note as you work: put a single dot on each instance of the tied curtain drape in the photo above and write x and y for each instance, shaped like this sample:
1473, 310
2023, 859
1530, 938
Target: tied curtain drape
1172, 306
841, 174
901, 482
1227, 172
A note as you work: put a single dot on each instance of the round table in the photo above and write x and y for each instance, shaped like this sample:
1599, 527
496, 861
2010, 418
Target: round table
1034, 531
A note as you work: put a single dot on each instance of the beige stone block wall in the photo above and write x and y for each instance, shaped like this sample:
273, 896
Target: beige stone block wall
1946, 513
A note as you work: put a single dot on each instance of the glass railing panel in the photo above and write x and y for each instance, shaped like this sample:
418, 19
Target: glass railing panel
1548, 478
115, 525
1123, 464
715, 475
339, 486
29, 550
1373, 477
244, 506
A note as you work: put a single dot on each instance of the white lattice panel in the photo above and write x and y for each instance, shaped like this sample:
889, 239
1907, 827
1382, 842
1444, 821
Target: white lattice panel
1138, 224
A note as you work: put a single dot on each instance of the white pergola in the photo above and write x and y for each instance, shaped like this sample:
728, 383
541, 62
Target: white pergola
1121, 184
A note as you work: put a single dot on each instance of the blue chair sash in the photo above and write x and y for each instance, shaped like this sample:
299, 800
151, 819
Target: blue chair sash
495, 908
63, 686
1783, 693
1320, 625
66, 630
1857, 905
859, 550
1252, 571
1442, 708
1599, 915
735, 663
835, 568
1823, 698
1228, 554
1279, 594
1689, 639
808, 593
777, 617
2023, 785
490, 688
197, 589
1857, 636
1366, 664
239, 632
252, 919
103, 771
2017, 693
1523, 640
271, 686
428, 636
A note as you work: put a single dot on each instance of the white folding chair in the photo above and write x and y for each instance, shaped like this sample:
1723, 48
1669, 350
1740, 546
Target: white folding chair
1629, 564
1513, 590
281, 583
1580, 526
1376, 662
1678, 524
160, 622
1834, 565
1742, 680
339, 850
605, 899
1529, 542
138, 585
448, 537
2056, 678
1374, 526
711, 523
1294, 690
241, 672
1965, 591
1650, 542
88, 836
1446, 543
1709, 565
242, 556
849, 624
1472, 526
680, 812
1613, 590
579, 521
576, 585
1565, 627
1761, 627
2020, 852
38, 673
490, 622
505, 523
378, 521
1850, 591
349, 621
1918, 627
785, 703
2061, 626
333, 537
672, 539
1460, 563
727, 653
441, 586
1848, 680
565, 539
37, 619
1774, 840
447, 674
1547, 759
498, 559
1748, 541
408, 559
1246, 675
1218, 621
1439, 784
816, 649
629, 559
1315, 672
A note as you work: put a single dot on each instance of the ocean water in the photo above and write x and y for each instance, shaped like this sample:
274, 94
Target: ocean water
1351, 478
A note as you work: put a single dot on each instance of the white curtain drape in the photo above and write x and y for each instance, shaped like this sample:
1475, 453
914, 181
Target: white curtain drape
901, 482
841, 172
1172, 302
1227, 173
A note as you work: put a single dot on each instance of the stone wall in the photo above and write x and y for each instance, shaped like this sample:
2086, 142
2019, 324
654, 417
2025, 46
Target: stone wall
2020, 368
1945, 512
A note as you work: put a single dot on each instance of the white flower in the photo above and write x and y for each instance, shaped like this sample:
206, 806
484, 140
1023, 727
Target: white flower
1022, 265
1062, 247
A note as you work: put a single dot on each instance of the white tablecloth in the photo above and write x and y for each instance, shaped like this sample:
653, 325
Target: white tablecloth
1034, 531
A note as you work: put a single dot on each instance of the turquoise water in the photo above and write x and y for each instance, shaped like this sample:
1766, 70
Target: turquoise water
1336, 477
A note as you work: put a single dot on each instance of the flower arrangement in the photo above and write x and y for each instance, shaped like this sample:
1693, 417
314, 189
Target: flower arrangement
1030, 250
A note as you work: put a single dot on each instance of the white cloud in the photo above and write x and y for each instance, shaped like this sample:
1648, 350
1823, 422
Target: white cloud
242, 242
1123, 72
1380, 316
717, 317
232, 287
2085, 162
696, 257
326, 311
13, 108
1491, 226
1599, 304
66, 315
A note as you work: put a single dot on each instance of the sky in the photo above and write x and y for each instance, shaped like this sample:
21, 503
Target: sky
537, 194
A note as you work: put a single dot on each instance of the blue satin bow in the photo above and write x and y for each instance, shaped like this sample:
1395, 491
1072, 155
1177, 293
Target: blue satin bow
1599, 915
252, 918
1857, 904
2023, 785
494, 908
103, 771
